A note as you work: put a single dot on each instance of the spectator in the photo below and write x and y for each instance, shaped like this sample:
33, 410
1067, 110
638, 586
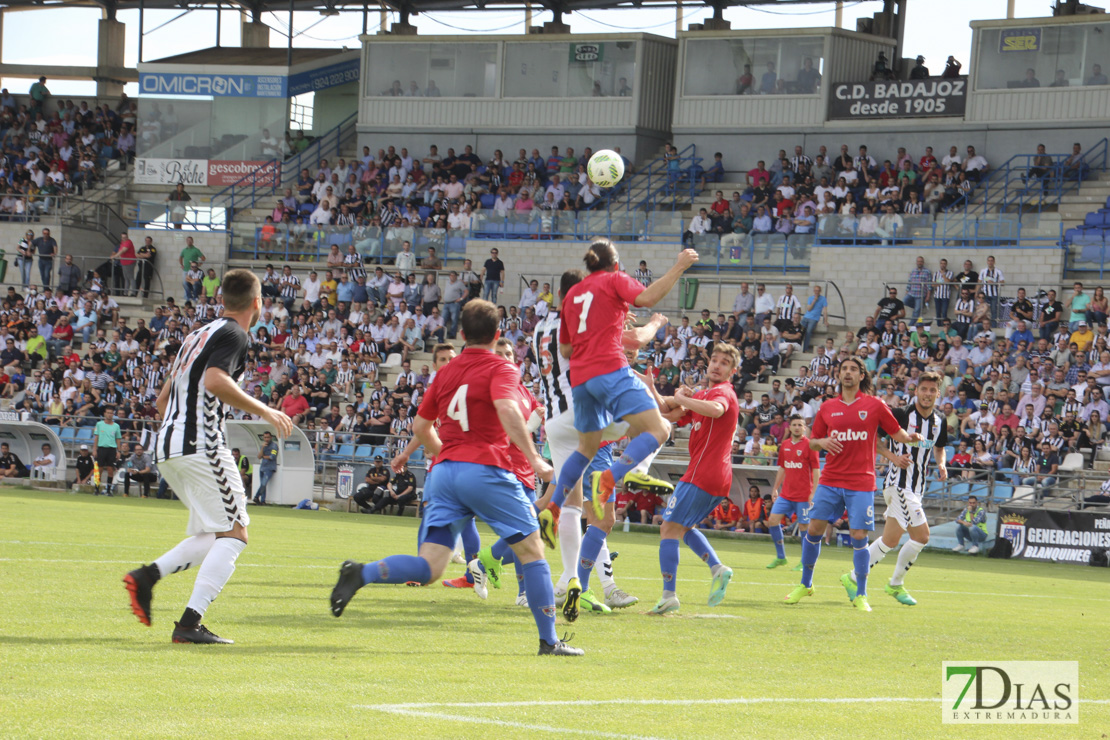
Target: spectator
493, 276
10, 464
139, 468
920, 71
917, 288
971, 526
951, 68
43, 466
46, 247
1097, 77
123, 266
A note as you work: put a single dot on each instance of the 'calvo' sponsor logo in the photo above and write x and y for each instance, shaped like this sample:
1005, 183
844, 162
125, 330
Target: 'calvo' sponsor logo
190, 84
587, 52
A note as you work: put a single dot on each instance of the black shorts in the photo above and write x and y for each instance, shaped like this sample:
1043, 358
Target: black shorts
106, 456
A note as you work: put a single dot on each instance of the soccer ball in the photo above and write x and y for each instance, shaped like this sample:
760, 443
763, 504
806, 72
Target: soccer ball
605, 168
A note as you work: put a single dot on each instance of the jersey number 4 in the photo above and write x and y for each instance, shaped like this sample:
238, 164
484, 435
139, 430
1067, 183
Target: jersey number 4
586, 300
457, 408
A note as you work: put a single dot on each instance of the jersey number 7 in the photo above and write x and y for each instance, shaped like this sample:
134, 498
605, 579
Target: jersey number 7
586, 299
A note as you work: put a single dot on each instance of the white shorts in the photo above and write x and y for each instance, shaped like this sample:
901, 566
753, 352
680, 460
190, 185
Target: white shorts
904, 507
209, 486
562, 440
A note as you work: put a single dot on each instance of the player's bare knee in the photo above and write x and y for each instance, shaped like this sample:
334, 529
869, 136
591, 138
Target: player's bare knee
529, 549
672, 531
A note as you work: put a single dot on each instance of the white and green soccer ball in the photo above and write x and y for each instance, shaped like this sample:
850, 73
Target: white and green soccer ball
606, 168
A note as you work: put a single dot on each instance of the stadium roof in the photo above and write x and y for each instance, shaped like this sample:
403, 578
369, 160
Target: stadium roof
404, 7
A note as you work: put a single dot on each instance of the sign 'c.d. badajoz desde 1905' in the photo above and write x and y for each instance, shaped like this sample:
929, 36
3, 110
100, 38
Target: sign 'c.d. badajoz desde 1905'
935, 96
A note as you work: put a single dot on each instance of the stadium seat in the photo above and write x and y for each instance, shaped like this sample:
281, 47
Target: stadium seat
487, 200
424, 212
69, 434
959, 491
1072, 461
380, 452
417, 455
949, 451
364, 451
85, 434
1002, 491
345, 451
934, 489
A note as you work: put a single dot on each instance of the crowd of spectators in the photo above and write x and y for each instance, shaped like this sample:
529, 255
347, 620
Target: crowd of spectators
54, 147
396, 192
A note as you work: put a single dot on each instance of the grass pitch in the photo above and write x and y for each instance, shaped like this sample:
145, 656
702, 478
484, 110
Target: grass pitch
438, 663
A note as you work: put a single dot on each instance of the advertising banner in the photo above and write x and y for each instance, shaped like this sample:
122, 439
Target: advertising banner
1019, 39
1055, 536
212, 85
171, 171
935, 96
222, 173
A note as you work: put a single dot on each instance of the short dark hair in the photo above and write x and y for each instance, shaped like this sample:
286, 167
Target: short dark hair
240, 288
479, 322
569, 279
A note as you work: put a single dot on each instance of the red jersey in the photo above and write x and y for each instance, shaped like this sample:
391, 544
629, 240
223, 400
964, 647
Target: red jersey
522, 469
798, 463
592, 322
461, 400
710, 466
855, 426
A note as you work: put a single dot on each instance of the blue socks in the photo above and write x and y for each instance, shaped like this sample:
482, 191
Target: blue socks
588, 552
697, 542
811, 550
636, 452
501, 550
397, 569
471, 543
861, 558
505, 554
776, 537
541, 598
569, 476
668, 564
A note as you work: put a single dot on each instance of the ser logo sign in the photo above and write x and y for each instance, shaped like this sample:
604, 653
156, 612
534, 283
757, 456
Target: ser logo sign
1010, 692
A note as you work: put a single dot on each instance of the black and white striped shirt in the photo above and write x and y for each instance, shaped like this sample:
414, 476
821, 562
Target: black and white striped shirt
989, 278
194, 418
554, 377
941, 288
788, 306
355, 270
967, 306
935, 431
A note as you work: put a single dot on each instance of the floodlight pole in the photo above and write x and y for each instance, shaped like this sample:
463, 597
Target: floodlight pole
289, 50
141, 9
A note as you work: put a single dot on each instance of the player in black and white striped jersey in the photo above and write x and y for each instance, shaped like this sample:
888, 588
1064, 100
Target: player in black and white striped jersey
905, 482
194, 458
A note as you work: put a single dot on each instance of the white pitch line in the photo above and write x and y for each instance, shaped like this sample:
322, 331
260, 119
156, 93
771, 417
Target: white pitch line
657, 702
132, 562
503, 723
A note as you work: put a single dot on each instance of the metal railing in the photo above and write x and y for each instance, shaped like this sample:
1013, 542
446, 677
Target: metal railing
176, 215
21, 208
693, 287
1013, 186
324, 146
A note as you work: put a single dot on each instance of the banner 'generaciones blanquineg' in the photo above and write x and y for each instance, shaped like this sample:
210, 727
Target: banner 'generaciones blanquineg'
1081, 537
935, 96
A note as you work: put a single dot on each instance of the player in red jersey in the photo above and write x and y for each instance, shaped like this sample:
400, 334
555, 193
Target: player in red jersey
604, 388
488, 564
846, 428
713, 413
476, 400
794, 485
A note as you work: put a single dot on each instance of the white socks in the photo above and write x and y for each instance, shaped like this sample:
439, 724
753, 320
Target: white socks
570, 541
215, 572
906, 556
603, 567
188, 553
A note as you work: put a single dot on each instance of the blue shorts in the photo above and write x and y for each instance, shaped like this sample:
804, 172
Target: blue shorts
455, 491
786, 508
830, 503
688, 505
602, 461
602, 400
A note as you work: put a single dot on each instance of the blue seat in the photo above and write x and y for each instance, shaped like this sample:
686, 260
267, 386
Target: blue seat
487, 200
306, 208
1002, 491
456, 244
1095, 219
960, 491
949, 451
380, 452
424, 212
417, 455
68, 434
345, 451
364, 451
934, 489
84, 434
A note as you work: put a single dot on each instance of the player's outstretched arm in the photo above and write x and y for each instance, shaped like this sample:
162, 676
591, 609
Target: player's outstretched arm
512, 421
221, 385
906, 438
639, 336
655, 292
708, 409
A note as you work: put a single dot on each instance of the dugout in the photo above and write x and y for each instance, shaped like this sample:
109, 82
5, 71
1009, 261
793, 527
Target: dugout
293, 481
26, 438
